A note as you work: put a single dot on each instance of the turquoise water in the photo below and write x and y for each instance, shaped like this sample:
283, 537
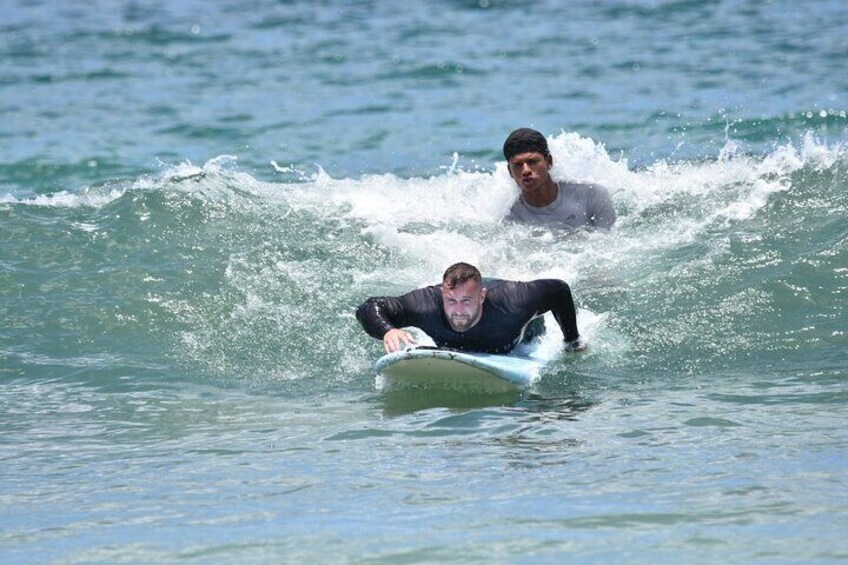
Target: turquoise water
195, 196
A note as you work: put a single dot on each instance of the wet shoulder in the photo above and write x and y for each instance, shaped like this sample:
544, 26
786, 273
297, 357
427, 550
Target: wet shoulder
582, 190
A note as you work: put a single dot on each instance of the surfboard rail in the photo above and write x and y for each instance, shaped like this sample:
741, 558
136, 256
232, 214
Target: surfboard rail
433, 367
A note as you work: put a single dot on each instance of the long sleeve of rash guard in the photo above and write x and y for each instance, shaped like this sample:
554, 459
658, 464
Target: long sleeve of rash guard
558, 300
378, 315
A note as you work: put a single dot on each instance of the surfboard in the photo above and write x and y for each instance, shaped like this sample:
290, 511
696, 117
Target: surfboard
435, 368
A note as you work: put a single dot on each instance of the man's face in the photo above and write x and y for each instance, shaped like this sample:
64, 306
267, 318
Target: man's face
531, 171
463, 304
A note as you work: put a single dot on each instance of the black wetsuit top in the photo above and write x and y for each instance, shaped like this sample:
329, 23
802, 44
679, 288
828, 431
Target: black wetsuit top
507, 310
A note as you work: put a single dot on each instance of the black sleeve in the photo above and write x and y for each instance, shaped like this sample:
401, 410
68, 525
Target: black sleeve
380, 314
383, 313
556, 298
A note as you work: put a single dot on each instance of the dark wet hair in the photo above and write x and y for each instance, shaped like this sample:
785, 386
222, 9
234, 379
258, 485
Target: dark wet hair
525, 140
460, 273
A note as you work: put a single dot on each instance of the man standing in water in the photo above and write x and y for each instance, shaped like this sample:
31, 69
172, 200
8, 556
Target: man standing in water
462, 313
544, 201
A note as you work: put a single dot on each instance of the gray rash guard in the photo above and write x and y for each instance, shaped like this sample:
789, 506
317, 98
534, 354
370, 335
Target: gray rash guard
576, 205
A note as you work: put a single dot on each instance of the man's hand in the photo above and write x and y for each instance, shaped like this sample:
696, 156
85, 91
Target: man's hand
577, 345
395, 339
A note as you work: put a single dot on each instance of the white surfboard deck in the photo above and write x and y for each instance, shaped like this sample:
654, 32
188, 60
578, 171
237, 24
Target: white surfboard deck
433, 368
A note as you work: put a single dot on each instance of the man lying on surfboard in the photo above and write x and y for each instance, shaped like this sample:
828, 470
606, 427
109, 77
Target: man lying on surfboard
461, 313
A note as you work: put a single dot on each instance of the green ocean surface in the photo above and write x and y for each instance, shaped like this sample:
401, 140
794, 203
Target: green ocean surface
194, 197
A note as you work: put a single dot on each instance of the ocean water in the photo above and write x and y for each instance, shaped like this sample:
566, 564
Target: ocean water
194, 197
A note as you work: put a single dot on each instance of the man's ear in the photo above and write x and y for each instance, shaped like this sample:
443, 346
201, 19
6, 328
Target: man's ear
550, 160
483, 293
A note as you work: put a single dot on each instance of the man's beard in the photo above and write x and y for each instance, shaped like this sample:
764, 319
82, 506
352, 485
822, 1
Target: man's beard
460, 323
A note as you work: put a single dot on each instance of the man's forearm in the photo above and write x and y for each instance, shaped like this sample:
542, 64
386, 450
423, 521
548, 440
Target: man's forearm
372, 315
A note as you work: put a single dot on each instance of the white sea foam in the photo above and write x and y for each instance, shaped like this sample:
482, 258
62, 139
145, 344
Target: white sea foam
425, 224
86, 198
479, 197
663, 208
